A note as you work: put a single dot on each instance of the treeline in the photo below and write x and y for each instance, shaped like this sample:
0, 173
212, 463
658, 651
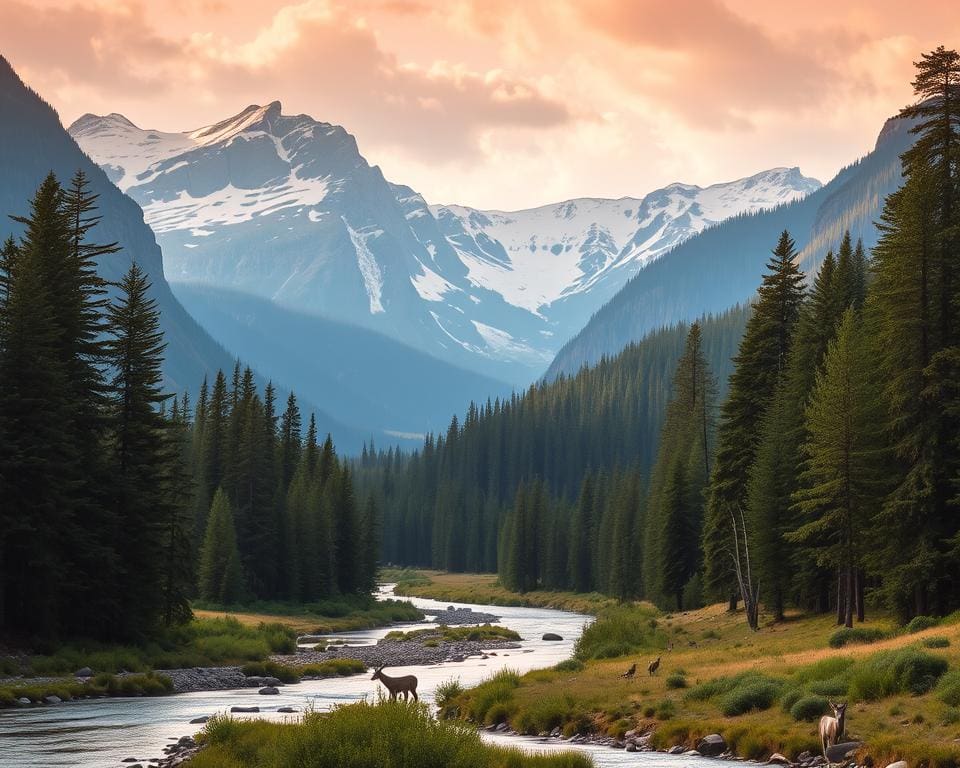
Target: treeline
444, 506
828, 478
118, 505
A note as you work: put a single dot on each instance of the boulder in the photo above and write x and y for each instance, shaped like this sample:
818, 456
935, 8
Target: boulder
269, 691
898, 764
23, 701
677, 750
839, 752
199, 720
52, 699
186, 741
286, 710
777, 759
84, 672
691, 753
712, 745
631, 747
129, 760
551, 636
244, 709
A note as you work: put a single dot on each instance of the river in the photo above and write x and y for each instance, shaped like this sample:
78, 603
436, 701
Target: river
101, 733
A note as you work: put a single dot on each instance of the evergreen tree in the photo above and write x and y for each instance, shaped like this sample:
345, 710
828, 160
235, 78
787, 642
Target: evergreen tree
220, 573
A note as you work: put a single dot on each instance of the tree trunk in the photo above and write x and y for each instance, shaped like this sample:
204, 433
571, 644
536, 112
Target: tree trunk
734, 601
778, 605
861, 608
848, 599
839, 595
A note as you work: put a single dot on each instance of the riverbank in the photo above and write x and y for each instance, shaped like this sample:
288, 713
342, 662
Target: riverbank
760, 693
485, 589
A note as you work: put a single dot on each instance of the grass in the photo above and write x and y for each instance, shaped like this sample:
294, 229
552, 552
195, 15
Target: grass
344, 614
149, 684
388, 735
763, 691
455, 634
852, 635
485, 589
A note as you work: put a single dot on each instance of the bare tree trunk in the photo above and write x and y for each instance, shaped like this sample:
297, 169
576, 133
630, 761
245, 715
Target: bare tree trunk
734, 602
749, 592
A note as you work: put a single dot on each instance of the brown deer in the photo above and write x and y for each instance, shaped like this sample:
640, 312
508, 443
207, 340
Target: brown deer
653, 666
630, 672
831, 728
397, 685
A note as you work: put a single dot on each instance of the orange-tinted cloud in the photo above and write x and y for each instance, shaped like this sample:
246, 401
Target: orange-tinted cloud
498, 102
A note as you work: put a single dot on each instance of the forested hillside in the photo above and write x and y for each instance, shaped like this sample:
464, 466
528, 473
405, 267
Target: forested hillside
827, 479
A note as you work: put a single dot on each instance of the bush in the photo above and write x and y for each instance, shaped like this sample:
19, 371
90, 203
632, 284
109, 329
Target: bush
826, 669
570, 665
665, 710
333, 668
446, 693
948, 689
920, 623
495, 690
791, 697
856, 636
830, 688
543, 715
936, 642
676, 680
753, 695
809, 708
619, 631
906, 670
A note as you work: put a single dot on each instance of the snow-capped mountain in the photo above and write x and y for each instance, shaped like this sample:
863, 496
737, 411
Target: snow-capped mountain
286, 208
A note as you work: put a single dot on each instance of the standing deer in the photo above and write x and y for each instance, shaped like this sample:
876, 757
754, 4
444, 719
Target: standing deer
397, 685
653, 666
831, 728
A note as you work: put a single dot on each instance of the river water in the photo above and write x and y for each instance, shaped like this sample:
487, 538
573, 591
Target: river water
100, 733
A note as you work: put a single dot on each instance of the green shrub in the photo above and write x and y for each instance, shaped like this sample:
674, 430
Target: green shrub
543, 715
830, 688
570, 665
619, 631
790, 697
665, 710
676, 680
283, 672
753, 695
856, 636
948, 689
447, 692
936, 642
920, 623
333, 668
497, 689
906, 670
825, 669
809, 708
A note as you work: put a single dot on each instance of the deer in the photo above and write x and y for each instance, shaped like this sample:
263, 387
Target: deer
397, 685
630, 672
653, 666
831, 728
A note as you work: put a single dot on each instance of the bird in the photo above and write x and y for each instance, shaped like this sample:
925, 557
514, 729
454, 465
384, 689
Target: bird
630, 672
654, 666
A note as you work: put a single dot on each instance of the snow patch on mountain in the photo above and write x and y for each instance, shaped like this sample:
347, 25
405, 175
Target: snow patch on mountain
369, 269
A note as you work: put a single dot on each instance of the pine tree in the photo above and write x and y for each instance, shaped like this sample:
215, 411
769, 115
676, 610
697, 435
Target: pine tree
759, 365
841, 478
139, 461
220, 573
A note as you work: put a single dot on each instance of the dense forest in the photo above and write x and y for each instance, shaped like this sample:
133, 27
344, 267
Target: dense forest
827, 478
119, 503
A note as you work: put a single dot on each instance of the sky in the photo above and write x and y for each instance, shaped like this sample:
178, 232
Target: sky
501, 104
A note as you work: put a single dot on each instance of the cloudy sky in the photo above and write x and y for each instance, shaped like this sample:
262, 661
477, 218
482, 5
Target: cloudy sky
503, 104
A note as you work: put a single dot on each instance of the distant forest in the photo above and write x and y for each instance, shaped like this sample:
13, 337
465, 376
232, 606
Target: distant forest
824, 474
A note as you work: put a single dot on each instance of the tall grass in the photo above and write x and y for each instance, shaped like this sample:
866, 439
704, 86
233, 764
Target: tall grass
386, 735
149, 684
905, 670
620, 631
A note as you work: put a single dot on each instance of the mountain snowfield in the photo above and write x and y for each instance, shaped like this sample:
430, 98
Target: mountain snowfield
285, 208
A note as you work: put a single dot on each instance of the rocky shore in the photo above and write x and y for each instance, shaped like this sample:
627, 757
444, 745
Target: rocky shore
455, 617
400, 653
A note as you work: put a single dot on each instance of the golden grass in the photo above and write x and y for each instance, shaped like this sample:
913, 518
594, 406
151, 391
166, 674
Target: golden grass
711, 643
485, 589
299, 623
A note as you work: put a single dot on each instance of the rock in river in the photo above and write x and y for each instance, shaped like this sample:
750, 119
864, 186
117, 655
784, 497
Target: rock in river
712, 745
199, 720
269, 691
551, 636
245, 710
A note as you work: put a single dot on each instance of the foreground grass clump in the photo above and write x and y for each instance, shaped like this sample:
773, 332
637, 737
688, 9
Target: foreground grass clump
620, 631
387, 735
150, 684
856, 635
456, 634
